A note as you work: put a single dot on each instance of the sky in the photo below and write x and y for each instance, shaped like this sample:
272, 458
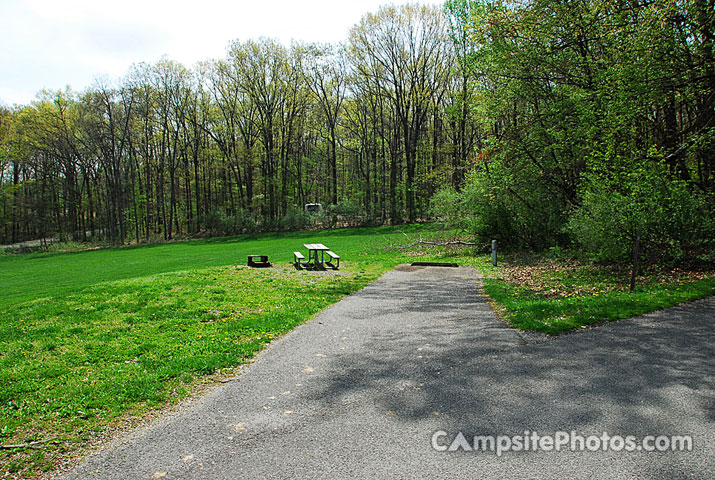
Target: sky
51, 44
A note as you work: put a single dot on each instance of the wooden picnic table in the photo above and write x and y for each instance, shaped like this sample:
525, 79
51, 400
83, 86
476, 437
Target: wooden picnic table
313, 249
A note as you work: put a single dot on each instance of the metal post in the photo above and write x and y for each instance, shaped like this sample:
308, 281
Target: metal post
636, 252
494, 253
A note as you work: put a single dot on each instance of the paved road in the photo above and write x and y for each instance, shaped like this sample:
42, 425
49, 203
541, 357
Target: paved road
29, 243
359, 391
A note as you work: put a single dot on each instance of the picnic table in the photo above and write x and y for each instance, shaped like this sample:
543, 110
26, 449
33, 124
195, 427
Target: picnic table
314, 251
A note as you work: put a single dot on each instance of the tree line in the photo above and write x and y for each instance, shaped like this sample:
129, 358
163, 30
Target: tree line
537, 122
242, 143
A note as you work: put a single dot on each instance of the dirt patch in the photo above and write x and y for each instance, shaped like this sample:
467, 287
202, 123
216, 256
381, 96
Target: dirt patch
558, 279
434, 264
408, 268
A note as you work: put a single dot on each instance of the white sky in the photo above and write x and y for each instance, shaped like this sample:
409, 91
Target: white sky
54, 43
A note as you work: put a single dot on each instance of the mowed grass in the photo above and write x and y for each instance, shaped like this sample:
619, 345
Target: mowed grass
29, 276
90, 338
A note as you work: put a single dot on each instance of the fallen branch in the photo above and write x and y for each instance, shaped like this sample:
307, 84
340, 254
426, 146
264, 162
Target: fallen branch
35, 444
441, 244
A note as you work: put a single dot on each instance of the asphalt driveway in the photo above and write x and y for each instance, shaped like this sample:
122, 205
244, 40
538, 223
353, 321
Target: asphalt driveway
360, 391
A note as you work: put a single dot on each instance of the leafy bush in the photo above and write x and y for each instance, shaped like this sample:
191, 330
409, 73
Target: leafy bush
498, 204
218, 222
294, 219
447, 207
214, 221
675, 222
344, 213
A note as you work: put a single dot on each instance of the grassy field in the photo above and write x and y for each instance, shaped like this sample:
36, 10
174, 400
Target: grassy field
31, 276
90, 337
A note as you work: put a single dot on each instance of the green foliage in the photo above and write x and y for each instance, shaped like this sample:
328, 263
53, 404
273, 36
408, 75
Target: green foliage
564, 86
447, 207
674, 220
498, 203
218, 222
294, 219
344, 213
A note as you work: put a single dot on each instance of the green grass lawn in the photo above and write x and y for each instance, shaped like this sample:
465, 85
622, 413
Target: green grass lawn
91, 337
30, 276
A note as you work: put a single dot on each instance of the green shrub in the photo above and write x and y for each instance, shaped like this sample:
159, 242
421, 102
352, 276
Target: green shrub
512, 207
447, 207
343, 213
674, 220
294, 219
218, 222
214, 221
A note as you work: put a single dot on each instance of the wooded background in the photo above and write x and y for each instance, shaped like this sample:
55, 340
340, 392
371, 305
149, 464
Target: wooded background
540, 123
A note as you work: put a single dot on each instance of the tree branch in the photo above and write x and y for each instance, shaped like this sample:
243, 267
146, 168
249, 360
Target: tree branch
440, 244
35, 444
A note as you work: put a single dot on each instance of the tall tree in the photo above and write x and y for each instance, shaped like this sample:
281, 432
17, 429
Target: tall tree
327, 80
405, 48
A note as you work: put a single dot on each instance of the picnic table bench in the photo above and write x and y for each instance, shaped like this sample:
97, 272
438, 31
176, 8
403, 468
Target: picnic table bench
335, 258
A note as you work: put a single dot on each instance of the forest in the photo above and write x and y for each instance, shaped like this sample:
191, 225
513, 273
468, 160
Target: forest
539, 123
